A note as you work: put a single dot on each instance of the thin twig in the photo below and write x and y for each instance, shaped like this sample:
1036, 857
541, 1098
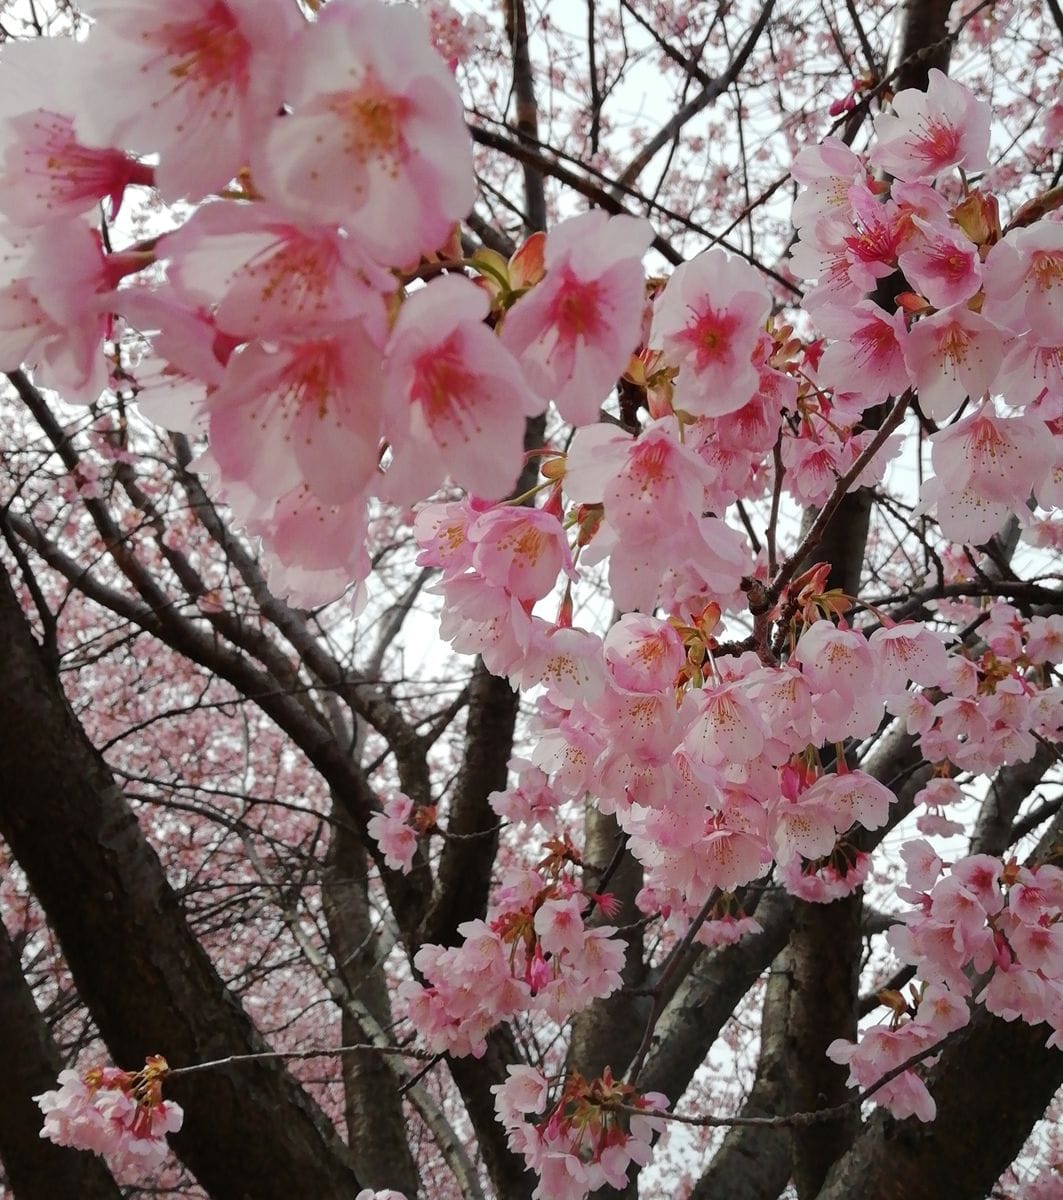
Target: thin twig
290, 1055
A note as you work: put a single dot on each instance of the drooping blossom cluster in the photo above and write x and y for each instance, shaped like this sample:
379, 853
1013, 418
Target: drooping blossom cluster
993, 707
114, 1113
330, 156
979, 328
982, 919
536, 951
396, 829
579, 1136
707, 760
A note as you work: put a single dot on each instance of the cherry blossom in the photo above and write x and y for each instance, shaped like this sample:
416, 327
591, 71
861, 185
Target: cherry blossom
338, 349
869, 355
930, 132
708, 322
586, 1141
267, 275
827, 171
375, 139
952, 355
1000, 459
643, 654
519, 549
48, 172
458, 397
393, 833
836, 659
53, 305
197, 88
944, 266
574, 332
300, 412
1024, 279
113, 1113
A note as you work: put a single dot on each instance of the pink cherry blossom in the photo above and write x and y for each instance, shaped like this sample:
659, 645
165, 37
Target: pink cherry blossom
524, 1091
531, 800
879, 1051
54, 294
963, 515
868, 356
1000, 459
1031, 369
805, 825
755, 427
953, 354
1024, 280
1045, 644
929, 132
313, 551
48, 172
708, 322
441, 530
1038, 947
393, 833
827, 171
581, 1145
1017, 994
837, 715
457, 397
943, 266
643, 654
856, 796
834, 659
520, 549
196, 86
293, 413
923, 865
730, 854
270, 276
559, 924
644, 482
567, 662
481, 618
829, 879
908, 652
882, 230
455, 36
981, 875
575, 331
822, 253
375, 139
941, 1010
727, 727
113, 1113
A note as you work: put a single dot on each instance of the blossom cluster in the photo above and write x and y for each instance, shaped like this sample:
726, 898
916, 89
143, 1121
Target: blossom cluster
986, 920
329, 155
579, 1137
992, 707
113, 1113
536, 952
982, 317
708, 762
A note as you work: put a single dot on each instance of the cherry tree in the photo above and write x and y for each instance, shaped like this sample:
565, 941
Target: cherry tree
532, 611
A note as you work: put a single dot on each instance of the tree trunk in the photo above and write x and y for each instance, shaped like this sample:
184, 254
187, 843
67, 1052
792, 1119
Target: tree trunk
250, 1132
36, 1168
